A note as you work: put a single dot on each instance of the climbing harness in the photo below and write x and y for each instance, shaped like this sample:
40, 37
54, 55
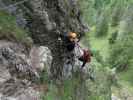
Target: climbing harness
79, 49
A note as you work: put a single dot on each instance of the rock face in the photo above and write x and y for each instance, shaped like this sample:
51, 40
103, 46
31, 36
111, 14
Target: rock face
18, 70
46, 19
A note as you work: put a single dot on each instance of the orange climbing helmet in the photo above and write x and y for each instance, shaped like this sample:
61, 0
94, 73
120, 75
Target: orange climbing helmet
73, 36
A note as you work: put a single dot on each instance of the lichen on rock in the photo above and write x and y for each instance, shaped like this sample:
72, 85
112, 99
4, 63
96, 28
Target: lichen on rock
17, 70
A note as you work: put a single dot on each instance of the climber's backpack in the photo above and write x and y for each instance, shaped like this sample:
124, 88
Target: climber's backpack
86, 57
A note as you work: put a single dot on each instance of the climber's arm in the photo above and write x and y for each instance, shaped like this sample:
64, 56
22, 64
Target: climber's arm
84, 62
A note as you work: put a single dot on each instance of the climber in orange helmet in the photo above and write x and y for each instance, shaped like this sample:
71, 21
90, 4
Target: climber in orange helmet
70, 39
73, 37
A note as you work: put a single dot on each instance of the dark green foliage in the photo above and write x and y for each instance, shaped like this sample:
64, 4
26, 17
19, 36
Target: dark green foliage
102, 26
44, 77
116, 15
98, 4
113, 37
121, 53
113, 21
121, 50
98, 56
9, 28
